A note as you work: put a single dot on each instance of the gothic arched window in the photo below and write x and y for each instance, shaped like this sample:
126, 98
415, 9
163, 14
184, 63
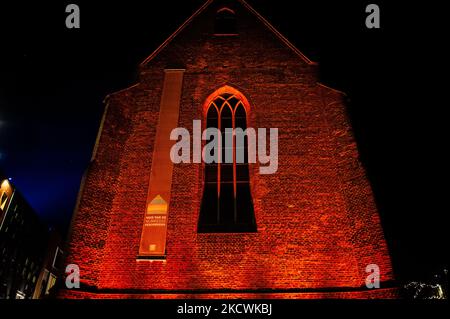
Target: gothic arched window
225, 23
227, 203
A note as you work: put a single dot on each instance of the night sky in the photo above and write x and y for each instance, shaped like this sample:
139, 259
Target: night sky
53, 81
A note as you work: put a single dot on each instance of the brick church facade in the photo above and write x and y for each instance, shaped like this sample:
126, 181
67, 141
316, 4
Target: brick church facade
310, 229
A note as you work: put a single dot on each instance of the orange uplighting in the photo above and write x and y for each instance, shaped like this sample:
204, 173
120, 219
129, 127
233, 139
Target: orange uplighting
308, 231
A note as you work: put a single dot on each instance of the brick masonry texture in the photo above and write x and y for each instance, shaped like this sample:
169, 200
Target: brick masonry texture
318, 225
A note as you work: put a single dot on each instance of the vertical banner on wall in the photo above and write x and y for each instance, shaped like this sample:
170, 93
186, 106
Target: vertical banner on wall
154, 229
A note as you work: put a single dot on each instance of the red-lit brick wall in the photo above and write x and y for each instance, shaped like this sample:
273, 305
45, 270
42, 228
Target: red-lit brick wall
318, 225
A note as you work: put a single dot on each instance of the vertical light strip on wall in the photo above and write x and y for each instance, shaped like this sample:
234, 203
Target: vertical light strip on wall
153, 238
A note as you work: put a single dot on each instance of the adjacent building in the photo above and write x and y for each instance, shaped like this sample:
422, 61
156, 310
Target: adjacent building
25, 244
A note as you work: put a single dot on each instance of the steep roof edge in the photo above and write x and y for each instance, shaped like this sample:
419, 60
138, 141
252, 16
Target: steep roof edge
278, 34
173, 35
332, 89
250, 8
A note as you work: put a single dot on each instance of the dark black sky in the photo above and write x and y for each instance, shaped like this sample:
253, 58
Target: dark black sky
53, 81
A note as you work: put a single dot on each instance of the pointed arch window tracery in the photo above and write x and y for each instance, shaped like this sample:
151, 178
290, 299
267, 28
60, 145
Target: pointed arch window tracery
227, 203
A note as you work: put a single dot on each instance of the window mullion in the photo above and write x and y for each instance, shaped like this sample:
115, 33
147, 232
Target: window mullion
219, 161
234, 164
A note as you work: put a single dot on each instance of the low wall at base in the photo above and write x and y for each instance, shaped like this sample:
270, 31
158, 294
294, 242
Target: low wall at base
382, 293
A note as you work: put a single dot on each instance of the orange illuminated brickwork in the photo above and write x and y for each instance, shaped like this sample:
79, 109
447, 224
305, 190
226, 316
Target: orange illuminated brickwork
317, 225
